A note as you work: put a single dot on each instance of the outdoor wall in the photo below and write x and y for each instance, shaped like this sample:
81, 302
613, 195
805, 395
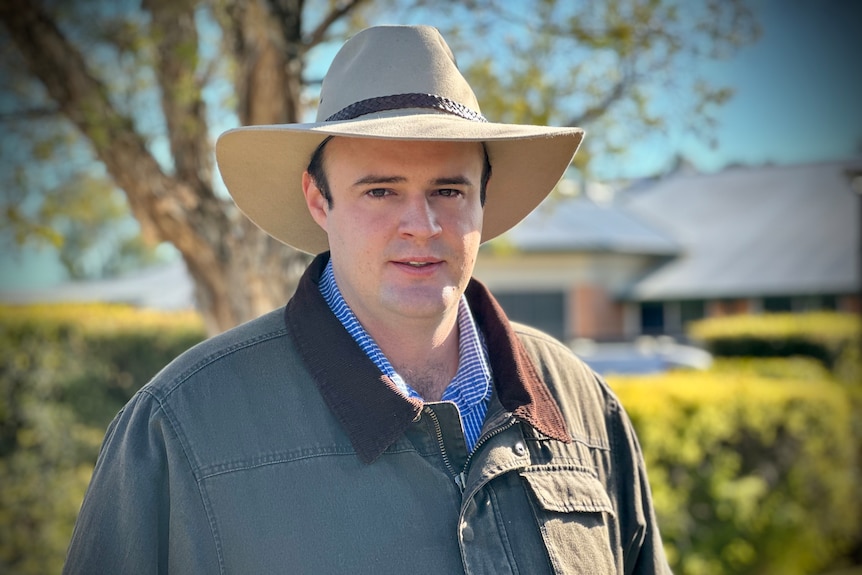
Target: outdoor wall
594, 313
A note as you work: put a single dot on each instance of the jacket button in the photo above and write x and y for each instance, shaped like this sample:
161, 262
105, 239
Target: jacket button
466, 532
520, 450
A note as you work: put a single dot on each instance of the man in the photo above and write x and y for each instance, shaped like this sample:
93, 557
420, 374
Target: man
389, 419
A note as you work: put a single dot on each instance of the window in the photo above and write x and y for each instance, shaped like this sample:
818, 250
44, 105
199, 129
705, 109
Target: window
800, 303
652, 318
816, 303
692, 310
541, 310
777, 304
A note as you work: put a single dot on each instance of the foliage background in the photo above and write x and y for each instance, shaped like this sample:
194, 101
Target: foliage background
110, 109
65, 371
750, 475
754, 465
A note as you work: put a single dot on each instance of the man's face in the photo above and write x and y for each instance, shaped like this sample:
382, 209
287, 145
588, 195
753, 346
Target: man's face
404, 227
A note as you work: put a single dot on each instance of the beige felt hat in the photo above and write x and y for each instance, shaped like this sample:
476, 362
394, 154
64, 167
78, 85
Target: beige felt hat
391, 82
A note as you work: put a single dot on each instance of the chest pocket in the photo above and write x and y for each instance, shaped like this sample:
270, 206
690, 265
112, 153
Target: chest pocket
574, 515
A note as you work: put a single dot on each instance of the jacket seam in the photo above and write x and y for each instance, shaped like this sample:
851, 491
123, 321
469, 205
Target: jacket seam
615, 424
504, 534
532, 501
523, 332
211, 472
162, 400
183, 443
216, 356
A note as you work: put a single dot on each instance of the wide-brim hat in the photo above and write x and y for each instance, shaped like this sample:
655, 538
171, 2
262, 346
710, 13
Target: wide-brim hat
397, 83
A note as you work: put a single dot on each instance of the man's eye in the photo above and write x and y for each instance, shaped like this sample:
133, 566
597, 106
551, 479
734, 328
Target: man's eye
377, 193
448, 192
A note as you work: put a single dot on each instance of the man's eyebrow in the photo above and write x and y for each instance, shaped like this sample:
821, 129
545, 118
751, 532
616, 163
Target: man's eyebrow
444, 181
452, 181
375, 179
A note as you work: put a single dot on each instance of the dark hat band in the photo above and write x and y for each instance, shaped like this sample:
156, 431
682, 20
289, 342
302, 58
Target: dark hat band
402, 101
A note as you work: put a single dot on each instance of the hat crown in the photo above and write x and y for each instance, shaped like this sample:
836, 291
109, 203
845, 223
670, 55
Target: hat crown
391, 60
396, 83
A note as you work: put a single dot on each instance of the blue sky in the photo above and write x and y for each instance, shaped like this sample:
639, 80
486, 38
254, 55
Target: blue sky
798, 91
798, 98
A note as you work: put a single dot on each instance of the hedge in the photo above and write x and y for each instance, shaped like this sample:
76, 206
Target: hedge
829, 337
65, 371
796, 368
750, 475
753, 465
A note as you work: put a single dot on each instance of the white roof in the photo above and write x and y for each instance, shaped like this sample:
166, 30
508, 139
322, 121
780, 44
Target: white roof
776, 230
164, 287
581, 224
742, 232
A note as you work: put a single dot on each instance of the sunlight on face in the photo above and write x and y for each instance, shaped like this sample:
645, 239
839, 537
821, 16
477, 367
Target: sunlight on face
404, 227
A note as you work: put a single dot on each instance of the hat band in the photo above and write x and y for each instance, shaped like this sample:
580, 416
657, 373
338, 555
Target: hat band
402, 101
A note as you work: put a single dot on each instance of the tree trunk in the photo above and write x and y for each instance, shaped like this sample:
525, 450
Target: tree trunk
239, 272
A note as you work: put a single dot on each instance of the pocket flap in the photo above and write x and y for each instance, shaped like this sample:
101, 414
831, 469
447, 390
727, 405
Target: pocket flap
568, 490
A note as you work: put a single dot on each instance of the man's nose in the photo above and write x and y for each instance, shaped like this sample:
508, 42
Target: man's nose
419, 219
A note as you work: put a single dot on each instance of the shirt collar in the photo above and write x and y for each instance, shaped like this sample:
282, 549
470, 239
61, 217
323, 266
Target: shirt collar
472, 379
368, 404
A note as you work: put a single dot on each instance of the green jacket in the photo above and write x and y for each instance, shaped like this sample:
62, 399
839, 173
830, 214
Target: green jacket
278, 447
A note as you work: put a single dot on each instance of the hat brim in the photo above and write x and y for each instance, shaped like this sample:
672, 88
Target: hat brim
262, 167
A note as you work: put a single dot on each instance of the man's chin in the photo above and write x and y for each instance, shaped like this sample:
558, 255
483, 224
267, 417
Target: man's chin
423, 302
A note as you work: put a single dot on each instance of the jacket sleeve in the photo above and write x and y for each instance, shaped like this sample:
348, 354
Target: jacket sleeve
643, 551
143, 512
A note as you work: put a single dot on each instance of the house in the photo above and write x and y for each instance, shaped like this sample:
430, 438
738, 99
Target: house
647, 259
166, 287
612, 265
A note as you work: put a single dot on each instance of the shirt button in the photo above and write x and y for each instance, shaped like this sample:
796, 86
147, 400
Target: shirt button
466, 532
520, 450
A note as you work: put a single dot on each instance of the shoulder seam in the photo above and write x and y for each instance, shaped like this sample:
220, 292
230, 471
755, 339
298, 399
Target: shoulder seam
213, 357
194, 470
523, 331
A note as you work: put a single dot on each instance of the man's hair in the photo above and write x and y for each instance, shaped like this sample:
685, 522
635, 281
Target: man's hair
318, 174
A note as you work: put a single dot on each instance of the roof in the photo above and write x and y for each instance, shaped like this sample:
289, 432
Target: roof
773, 230
581, 224
741, 232
162, 287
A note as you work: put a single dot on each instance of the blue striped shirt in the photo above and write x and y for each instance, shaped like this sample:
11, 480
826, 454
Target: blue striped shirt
469, 390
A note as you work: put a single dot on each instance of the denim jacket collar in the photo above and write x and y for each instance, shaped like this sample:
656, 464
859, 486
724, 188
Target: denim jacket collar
368, 405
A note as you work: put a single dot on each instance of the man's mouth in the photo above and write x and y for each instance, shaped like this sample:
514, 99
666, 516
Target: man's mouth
420, 263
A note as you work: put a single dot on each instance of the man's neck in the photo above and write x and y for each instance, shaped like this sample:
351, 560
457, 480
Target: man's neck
425, 356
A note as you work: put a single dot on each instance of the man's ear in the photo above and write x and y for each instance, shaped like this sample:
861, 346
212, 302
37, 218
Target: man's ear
317, 205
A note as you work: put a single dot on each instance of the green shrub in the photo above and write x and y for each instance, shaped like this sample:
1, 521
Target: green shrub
99, 354
796, 368
750, 475
752, 465
824, 336
65, 370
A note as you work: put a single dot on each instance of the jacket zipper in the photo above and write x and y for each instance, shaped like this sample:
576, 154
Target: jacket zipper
461, 478
439, 431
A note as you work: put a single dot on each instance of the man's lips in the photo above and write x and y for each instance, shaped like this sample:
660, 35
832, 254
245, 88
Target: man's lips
418, 263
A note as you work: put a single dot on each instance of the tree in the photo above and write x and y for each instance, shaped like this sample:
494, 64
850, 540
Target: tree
100, 65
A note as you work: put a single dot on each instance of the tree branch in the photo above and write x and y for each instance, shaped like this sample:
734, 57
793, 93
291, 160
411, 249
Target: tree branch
601, 107
160, 204
173, 24
261, 81
288, 15
30, 114
318, 35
